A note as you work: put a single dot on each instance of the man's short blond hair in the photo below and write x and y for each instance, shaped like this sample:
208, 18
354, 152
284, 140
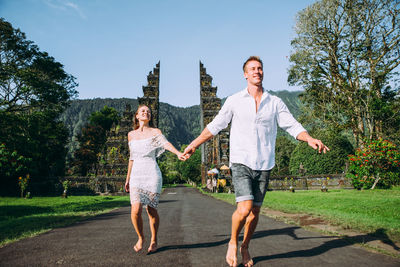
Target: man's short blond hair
252, 58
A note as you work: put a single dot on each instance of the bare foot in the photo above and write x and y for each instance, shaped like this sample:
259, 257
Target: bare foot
139, 245
152, 248
231, 255
246, 259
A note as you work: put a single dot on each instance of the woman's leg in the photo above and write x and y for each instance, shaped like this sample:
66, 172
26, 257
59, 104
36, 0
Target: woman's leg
154, 221
137, 221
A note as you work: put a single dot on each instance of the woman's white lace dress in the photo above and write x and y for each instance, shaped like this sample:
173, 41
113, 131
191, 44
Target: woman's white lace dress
146, 181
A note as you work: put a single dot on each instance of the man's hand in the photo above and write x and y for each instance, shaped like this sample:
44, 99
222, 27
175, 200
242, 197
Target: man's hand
317, 144
312, 142
203, 137
189, 150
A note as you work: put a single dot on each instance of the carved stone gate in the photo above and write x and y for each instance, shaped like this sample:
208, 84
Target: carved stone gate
215, 152
114, 162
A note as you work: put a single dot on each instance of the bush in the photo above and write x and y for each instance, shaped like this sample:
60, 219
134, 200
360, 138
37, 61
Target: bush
313, 162
376, 164
284, 148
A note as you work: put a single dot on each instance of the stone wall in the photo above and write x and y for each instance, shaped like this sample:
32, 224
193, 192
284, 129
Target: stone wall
310, 182
96, 185
115, 185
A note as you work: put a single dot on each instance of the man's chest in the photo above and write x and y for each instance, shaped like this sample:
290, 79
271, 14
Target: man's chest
246, 112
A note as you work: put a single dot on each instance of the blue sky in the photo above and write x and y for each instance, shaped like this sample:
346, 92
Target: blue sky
111, 45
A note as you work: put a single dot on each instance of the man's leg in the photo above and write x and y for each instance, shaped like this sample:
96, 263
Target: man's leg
260, 185
249, 228
238, 220
242, 180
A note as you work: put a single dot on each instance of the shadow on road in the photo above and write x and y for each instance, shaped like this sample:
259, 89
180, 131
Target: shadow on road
199, 245
260, 234
331, 244
290, 231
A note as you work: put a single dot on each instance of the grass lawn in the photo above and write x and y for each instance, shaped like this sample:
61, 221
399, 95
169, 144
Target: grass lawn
368, 211
20, 218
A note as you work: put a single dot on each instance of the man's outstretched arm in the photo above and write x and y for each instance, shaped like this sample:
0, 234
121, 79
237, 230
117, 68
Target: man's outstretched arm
312, 142
202, 138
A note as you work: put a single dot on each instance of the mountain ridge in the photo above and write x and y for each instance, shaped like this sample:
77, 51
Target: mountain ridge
179, 124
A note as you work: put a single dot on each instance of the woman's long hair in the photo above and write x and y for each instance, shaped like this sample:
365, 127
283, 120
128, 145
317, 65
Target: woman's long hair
136, 121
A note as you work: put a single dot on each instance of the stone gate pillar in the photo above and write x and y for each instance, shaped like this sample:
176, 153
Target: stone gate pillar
215, 152
114, 162
151, 93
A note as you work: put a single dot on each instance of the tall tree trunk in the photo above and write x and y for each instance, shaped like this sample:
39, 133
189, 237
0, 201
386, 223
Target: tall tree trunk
358, 129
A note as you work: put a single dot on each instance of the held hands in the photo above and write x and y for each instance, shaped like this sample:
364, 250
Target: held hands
190, 149
181, 156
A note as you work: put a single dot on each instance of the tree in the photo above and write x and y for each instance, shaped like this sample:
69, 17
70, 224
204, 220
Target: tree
346, 54
105, 118
92, 139
29, 78
91, 142
34, 91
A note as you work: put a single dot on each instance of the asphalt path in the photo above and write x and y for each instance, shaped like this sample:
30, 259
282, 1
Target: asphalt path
194, 231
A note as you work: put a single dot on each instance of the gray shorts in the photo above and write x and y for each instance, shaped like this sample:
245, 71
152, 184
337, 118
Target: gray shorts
249, 184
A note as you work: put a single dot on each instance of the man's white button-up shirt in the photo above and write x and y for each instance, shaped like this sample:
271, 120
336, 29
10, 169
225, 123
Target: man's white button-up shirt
253, 134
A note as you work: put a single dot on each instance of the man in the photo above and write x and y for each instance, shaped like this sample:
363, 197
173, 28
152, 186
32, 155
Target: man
254, 114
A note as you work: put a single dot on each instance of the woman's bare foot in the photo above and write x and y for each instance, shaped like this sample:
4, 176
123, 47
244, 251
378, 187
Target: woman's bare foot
139, 245
152, 248
246, 259
231, 255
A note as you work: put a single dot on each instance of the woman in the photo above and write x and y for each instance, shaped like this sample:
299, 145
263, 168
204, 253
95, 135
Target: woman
144, 180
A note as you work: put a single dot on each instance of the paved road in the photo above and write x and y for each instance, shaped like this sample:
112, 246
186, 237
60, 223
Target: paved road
194, 231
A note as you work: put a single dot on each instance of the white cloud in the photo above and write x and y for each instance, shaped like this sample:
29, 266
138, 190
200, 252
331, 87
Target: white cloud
65, 6
76, 8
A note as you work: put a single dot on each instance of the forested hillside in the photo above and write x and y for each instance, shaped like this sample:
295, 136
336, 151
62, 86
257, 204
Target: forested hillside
180, 125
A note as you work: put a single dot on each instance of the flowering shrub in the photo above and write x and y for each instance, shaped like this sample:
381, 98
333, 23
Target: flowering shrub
23, 183
377, 164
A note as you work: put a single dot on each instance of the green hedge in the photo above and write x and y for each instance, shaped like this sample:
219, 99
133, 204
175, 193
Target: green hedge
313, 162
